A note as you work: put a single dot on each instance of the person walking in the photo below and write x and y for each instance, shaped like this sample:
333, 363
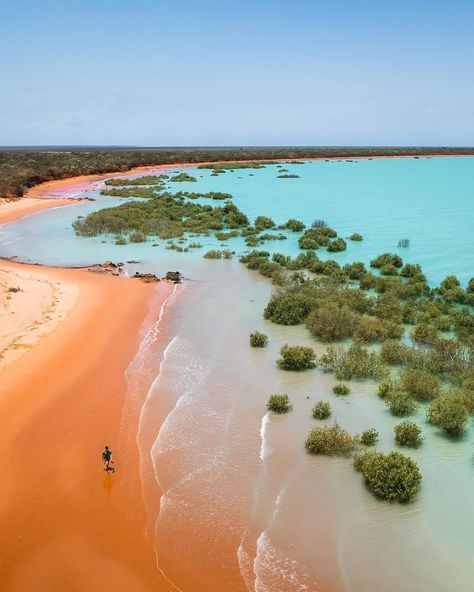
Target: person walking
107, 459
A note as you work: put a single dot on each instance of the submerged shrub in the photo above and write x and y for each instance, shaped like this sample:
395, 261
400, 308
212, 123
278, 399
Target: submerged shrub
393, 352
121, 241
355, 362
449, 414
330, 440
262, 222
420, 385
137, 237
393, 476
331, 322
341, 389
293, 225
288, 309
355, 236
258, 339
321, 410
279, 403
296, 357
400, 404
337, 245
407, 433
386, 259
369, 437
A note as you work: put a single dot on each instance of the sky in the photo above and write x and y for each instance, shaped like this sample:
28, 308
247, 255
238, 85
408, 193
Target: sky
209, 73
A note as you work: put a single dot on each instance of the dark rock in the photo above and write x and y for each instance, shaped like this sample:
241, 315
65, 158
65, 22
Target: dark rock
148, 278
174, 276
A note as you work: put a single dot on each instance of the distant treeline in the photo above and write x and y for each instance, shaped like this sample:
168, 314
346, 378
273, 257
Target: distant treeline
23, 168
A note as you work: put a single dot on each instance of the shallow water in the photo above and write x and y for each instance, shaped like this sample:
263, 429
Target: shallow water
243, 507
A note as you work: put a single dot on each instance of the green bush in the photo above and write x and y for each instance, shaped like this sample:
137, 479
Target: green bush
288, 309
387, 387
183, 177
219, 254
293, 225
386, 259
337, 245
296, 357
400, 404
258, 339
355, 362
420, 385
279, 403
407, 433
393, 476
424, 334
121, 241
330, 440
449, 414
331, 322
369, 437
262, 222
355, 236
321, 410
137, 237
393, 352
341, 389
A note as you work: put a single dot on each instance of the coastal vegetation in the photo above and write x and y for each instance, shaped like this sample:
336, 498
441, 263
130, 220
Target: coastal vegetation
218, 254
296, 357
369, 437
165, 216
341, 389
331, 441
279, 403
183, 177
145, 180
20, 169
355, 236
321, 410
407, 433
393, 476
258, 339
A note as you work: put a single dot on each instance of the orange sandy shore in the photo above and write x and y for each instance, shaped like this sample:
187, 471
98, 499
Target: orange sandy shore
65, 523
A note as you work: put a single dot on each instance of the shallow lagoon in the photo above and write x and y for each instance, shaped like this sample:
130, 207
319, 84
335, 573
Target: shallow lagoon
282, 520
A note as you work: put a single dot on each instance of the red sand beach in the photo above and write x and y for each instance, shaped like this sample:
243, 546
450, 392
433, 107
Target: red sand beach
67, 524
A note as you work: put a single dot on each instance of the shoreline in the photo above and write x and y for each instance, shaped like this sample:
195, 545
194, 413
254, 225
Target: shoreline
64, 396
47, 189
64, 515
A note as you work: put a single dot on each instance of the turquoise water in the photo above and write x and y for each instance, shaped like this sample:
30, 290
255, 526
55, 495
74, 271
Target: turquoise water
429, 200
238, 480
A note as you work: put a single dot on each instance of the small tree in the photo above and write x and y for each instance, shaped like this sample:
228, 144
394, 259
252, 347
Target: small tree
296, 357
258, 339
407, 433
341, 389
279, 403
321, 410
330, 440
391, 476
369, 437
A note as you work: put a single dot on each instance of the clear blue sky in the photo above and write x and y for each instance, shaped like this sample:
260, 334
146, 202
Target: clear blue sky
147, 72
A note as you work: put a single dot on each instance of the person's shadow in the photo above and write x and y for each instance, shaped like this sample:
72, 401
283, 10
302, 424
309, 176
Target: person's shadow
108, 483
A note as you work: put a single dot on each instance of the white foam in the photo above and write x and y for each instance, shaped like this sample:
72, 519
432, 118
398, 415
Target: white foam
275, 571
264, 448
